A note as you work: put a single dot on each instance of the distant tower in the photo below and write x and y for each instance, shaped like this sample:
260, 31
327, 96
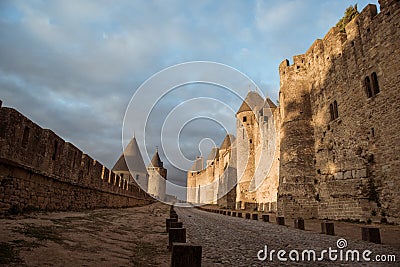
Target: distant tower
193, 187
157, 177
130, 165
247, 137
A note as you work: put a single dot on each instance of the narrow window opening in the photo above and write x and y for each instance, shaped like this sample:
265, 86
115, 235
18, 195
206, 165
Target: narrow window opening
25, 137
335, 109
372, 132
88, 166
73, 162
244, 119
375, 84
331, 112
251, 141
367, 84
55, 150
137, 176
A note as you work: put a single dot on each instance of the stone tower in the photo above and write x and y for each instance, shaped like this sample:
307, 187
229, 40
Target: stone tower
157, 177
130, 166
193, 189
248, 135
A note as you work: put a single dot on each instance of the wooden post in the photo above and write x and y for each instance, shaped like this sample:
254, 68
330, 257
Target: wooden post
239, 214
176, 235
168, 223
184, 255
229, 213
254, 216
176, 225
328, 228
233, 213
371, 234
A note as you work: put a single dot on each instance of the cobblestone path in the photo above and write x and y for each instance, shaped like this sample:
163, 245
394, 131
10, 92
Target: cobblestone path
231, 241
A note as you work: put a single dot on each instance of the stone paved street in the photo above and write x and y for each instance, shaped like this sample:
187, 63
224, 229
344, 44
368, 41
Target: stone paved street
231, 241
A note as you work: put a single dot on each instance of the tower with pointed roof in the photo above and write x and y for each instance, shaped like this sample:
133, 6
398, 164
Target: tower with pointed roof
130, 166
248, 135
157, 177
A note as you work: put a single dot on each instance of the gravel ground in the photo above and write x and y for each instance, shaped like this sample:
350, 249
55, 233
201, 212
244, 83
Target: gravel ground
231, 241
103, 237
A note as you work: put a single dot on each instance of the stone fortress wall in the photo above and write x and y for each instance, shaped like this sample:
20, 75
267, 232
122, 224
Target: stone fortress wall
39, 170
216, 182
340, 125
337, 128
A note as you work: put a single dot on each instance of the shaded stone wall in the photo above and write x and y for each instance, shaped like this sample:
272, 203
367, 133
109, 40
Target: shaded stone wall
39, 170
339, 145
267, 189
227, 182
215, 184
247, 131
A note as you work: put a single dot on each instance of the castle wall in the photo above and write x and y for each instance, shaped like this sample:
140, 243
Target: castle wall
346, 165
157, 182
247, 133
227, 181
267, 189
39, 170
297, 140
215, 184
191, 187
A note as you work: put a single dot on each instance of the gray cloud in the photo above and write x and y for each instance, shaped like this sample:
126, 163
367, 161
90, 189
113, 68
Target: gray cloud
73, 66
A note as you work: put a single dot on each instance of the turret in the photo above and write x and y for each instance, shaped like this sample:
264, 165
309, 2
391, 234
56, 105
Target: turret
248, 134
157, 177
130, 165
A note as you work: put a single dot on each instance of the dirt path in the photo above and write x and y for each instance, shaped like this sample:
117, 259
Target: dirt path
104, 237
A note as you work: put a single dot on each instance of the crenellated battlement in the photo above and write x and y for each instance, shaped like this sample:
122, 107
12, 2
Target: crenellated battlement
323, 51
26, 146
331, 113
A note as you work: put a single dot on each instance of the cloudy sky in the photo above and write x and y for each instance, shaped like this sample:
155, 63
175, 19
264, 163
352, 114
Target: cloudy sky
73, 66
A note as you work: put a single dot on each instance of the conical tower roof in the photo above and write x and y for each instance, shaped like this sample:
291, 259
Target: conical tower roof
132, 158
156, 161
252, 100
213, 154
229, 138
268, 103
